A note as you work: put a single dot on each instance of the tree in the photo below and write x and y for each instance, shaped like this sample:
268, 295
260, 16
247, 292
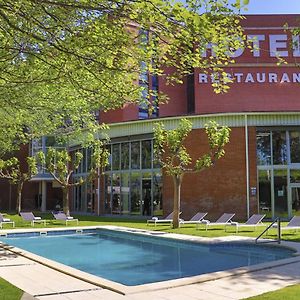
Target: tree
174, 158
10, 169
61, 165
62, 60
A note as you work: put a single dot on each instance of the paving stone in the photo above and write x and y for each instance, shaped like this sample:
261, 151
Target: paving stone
26, 296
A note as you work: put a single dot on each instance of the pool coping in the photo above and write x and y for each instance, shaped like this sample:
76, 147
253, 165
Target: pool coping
126, 290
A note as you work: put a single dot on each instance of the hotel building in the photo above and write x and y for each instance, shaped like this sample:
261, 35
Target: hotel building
261, 168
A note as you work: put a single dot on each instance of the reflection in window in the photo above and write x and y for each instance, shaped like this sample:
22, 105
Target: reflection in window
116, 193
135, 188
89, 152
80, 166
126, 190
82, 199
108, 190
83, 170
295, 146
125, 193
90, 197
108, 166
295, 176
157, 194
146, 194
146, 154
263, 148
279, 148
135, 155
50, 141
155, 107
125, 156
116, 156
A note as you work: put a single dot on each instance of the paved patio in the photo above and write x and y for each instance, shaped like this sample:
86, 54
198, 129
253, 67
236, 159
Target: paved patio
46, 284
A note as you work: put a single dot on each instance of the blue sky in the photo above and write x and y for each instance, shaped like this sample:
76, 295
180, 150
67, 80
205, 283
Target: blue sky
273, 7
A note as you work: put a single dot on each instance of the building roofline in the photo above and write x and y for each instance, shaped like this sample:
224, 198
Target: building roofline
139, 127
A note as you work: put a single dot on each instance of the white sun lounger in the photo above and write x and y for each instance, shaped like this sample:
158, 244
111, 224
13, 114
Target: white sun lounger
254, 221
5, 221
167, 219
225, 219
197, 218
61, 216
293, 224
30, 217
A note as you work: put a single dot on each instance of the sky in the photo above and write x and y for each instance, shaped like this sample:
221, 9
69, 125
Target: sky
273, 7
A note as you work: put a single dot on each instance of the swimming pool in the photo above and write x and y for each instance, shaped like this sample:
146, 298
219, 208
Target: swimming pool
135, 259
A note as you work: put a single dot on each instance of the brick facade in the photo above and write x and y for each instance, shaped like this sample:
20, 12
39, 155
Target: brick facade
221, 188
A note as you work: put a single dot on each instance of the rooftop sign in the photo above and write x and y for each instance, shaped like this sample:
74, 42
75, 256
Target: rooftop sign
279, 45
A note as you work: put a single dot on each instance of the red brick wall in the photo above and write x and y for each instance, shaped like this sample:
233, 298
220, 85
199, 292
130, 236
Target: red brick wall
177, 98
127, 113
221, 188
248, 97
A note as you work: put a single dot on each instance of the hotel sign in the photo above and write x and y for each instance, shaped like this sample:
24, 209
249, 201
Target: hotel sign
267, 46
240, 77
279, 45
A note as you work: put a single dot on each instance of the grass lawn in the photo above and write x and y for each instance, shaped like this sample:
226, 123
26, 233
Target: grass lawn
8, 291
189, 229
288, 293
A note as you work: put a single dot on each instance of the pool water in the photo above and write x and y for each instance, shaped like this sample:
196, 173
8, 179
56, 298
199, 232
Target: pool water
134, 259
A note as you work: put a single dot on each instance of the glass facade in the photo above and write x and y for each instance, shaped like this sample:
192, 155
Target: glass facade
278, 165
84, 196
43, 144
133, 183
148, 106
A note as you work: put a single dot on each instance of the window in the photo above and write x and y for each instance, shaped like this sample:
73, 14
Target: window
146, 154
135, 155
279, 148
264, 181
295, 146
280, 193
126, 189
135, 189
125, 156
116, 156
263, 148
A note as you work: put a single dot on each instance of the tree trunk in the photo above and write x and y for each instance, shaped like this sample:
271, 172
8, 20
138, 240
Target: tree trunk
176, 201
19, 197
66, 200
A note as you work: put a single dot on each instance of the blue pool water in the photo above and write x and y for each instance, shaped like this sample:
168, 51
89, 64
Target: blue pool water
133, 259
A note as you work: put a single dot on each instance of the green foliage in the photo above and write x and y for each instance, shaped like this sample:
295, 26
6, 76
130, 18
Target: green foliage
100, 156
169, 147
173, 156
218, 137
61, 164
10, 169
62, 60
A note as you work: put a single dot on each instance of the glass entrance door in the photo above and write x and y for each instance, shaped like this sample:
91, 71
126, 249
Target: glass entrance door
280, 194
295, 195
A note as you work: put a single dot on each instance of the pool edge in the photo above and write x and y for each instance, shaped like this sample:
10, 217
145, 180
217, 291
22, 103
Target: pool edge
126, 290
